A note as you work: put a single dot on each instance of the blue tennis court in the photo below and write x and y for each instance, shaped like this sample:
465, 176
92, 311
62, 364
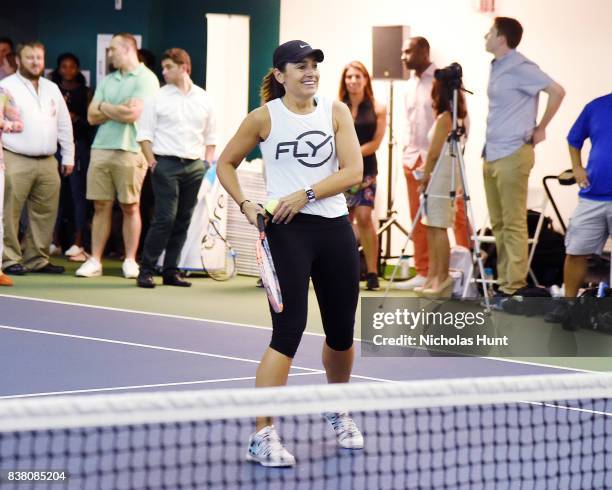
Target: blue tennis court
56, 348
53, 348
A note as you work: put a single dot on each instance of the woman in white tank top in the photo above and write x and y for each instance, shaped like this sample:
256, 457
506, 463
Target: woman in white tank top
312, 155
438, 215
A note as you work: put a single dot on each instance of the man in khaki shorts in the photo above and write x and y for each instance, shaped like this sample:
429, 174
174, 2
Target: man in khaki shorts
591, 223
117, 167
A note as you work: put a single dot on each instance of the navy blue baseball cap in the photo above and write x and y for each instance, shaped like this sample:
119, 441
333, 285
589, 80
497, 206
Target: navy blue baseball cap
294, 52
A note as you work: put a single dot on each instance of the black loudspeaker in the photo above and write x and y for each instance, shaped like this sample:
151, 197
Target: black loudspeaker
387, 44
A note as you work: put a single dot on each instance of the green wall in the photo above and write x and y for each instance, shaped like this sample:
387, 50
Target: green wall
185, 26
72, 25
19, 19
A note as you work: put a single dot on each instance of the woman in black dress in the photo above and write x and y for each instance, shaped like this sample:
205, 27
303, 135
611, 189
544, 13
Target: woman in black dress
370, 119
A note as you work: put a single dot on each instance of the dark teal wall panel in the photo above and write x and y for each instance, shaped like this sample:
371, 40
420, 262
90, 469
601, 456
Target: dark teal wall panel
19, 19
185, 26
72, 25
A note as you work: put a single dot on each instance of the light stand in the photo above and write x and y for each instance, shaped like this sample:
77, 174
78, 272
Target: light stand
390, 220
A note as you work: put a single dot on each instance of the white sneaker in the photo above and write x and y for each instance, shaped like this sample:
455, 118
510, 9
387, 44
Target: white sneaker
416, 281
266, 448
346, 430
54, 250
130, 269
90, 268
72, 251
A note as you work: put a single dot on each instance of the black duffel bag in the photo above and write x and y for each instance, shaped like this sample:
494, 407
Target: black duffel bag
590, 312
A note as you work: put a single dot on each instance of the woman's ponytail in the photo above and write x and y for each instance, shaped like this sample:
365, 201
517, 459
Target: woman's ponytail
270, 88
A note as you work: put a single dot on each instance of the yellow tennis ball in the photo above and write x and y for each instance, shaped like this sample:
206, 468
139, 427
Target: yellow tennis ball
271, 205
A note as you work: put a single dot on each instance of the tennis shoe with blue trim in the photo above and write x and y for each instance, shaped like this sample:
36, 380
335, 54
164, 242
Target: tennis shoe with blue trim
266, 448
346, 430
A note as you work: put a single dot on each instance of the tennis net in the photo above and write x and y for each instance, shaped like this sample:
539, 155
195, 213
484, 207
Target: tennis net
528, 432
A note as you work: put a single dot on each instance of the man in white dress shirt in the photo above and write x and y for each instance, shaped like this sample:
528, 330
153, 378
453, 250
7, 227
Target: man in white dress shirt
176, 130
31, 168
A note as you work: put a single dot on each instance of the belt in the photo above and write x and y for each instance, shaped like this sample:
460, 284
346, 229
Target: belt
176, 159
35, 157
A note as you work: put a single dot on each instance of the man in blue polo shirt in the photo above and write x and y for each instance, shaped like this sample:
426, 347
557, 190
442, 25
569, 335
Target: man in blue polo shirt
591, 223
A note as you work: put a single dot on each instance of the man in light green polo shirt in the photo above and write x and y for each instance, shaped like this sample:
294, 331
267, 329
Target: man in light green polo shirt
117, 167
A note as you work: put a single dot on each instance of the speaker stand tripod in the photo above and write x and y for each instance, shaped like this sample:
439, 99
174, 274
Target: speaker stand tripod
390, 220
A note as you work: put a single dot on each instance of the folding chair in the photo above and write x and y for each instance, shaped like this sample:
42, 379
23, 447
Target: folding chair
537, 200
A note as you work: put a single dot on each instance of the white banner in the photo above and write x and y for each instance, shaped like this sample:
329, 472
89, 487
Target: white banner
227, 82
204, 249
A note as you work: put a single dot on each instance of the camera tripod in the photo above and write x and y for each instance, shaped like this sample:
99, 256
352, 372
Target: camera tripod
451, 149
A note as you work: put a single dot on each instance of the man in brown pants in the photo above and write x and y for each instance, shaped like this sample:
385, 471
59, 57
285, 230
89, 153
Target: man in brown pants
31, 168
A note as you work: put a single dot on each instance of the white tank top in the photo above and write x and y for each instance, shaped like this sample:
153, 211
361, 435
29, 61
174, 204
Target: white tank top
301, 151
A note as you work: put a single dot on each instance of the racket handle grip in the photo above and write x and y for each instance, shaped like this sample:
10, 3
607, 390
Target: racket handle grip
261, 225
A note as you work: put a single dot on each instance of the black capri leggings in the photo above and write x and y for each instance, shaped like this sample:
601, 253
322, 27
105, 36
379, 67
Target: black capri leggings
325, 250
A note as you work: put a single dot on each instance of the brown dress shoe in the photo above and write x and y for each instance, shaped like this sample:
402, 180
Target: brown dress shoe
175, 279
5, 280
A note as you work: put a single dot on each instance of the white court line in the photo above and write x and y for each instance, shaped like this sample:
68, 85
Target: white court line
369, 378
159, 385
145, 346
541, 364
313, 371
550, 405
148, 313
170, 349
575, 409
259, 327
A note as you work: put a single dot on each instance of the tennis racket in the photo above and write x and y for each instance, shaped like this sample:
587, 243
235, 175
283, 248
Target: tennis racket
266, 267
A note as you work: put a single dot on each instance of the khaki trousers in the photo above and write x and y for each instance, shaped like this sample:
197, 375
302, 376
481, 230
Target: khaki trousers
506, 182
35, 183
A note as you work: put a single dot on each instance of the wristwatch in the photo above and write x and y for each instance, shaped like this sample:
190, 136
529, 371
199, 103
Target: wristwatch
310, 195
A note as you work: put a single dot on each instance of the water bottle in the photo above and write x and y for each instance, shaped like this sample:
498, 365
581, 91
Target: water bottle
601, 290
404, 267
488, 277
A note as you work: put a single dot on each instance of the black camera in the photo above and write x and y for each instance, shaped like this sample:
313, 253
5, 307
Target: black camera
451, 73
